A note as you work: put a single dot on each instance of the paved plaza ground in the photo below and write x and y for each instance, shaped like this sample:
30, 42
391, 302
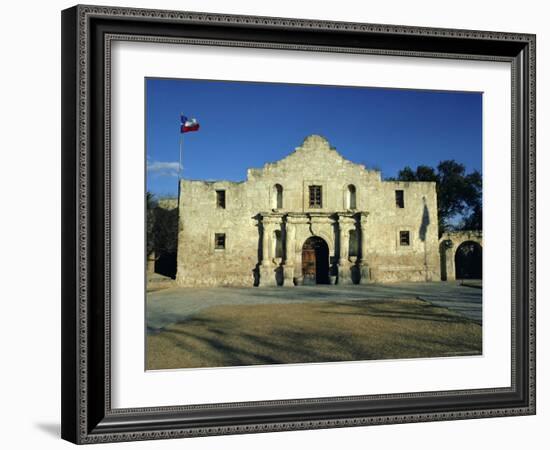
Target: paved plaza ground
220, 327
173, 305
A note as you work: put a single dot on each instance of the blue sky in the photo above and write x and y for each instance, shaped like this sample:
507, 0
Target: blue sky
245, 124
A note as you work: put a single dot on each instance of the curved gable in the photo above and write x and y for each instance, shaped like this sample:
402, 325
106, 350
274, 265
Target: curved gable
315, 157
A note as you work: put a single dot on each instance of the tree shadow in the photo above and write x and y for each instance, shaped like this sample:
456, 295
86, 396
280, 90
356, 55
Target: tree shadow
211, 342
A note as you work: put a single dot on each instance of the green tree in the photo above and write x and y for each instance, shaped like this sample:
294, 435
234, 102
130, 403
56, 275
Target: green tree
162, 236
150, 214
162, 227
459, 195
165, 230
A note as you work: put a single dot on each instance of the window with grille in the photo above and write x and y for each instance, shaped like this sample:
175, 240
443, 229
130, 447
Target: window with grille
404, 238
315, 197
219, 241
220, 199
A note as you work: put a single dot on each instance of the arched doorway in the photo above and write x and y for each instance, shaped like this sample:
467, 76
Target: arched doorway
315, 262
468, 261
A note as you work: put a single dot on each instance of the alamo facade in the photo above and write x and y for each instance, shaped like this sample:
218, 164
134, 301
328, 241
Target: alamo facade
311, 218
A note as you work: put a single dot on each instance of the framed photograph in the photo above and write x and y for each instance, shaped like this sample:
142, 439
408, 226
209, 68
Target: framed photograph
280, 224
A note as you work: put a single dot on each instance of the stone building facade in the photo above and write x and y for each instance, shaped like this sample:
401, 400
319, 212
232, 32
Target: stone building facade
312, 217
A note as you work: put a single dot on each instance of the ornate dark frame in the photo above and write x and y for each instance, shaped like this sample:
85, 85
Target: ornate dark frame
87, 32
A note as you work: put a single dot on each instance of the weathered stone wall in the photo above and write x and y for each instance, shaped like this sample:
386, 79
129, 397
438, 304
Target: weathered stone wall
199, 263
388, 260
251, 211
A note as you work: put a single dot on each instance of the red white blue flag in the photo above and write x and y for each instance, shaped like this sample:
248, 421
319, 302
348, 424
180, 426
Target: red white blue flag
188, 125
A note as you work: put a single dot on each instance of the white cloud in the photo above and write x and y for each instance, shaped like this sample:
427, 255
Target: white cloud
161, 168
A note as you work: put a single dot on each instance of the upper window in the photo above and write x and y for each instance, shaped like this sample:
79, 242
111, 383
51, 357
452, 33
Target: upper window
400, 199
404, 238
277, 196
351, 197
315, 196
220, 199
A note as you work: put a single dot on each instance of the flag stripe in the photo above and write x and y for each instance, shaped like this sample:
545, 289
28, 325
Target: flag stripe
188, 125
186, 129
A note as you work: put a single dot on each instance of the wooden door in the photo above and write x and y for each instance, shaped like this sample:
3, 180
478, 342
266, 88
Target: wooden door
309, 269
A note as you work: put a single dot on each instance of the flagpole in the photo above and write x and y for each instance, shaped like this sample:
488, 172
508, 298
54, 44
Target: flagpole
181, 152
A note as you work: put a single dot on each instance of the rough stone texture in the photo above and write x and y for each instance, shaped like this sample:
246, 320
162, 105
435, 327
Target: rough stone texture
151, 263
448, 246
168, 203
251, 221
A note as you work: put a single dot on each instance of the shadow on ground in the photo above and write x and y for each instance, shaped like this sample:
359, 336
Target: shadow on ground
241, 335
170, 306
52, 429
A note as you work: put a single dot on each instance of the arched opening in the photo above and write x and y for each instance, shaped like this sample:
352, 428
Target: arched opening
277, 200
468, 261
315, 261
166, 264
278, 243
351, 197
353, 249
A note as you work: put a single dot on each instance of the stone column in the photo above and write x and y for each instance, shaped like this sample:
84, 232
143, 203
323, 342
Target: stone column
450, 261
345, 224
151, 263
267, 266
265, 242
290, 249
301, 232
363, 265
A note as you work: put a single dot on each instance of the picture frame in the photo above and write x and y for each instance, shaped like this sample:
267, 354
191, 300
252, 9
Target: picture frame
87, 412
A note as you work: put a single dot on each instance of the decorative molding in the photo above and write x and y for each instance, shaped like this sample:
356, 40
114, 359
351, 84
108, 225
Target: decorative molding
294, 23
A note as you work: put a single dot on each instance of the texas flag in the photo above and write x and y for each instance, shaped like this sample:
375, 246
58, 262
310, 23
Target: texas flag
188, 125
